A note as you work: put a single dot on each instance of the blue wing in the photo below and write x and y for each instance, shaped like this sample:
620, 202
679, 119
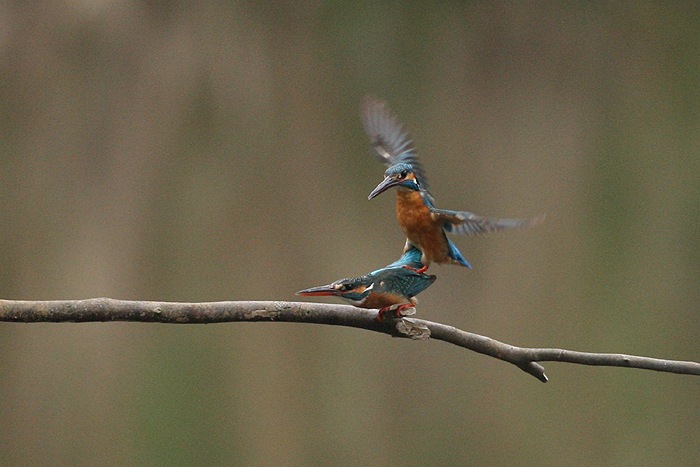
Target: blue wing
402, 281
467, 223
388, 138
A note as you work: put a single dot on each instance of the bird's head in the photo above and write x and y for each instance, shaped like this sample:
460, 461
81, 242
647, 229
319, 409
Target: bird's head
399, 175
355, 289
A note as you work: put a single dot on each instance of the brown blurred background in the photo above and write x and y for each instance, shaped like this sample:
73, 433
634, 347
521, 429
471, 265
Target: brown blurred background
203, 151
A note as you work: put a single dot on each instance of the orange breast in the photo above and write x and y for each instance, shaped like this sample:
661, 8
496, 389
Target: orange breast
419, 227
381, 300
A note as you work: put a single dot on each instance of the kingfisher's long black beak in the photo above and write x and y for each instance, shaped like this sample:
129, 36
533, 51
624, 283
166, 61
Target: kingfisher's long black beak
387, 183
320, 290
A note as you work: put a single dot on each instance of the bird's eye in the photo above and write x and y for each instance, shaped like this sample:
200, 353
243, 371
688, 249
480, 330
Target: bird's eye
403, 174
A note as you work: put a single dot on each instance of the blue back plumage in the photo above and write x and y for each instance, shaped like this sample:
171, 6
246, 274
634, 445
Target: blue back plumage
397, 278
411, 258
401, 281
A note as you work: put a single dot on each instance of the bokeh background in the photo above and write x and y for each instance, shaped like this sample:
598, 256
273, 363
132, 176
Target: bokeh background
205, 151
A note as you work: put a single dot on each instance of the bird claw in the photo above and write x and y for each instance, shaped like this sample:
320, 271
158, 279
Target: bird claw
405, 309
417, 271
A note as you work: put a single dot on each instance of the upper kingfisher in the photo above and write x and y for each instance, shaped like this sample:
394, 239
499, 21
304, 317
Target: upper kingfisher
423, 224
392, 287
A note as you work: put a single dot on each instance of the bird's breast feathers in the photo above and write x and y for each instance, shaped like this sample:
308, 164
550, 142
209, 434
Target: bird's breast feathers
383, 299
420, 227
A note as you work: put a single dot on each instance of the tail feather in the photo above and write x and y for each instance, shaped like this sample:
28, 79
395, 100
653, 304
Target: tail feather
456, 255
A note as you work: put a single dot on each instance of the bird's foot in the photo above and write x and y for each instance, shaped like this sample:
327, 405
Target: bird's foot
380, 314
417, 271
407, 309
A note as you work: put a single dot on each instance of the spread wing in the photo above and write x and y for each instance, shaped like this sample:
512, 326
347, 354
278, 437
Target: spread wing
467, 223
388, 138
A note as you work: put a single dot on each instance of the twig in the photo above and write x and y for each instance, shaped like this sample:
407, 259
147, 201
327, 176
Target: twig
106, 309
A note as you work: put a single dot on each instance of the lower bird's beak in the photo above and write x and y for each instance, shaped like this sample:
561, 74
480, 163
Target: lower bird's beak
318, 291
387, 183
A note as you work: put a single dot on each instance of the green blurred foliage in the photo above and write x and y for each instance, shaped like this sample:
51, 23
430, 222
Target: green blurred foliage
213, 151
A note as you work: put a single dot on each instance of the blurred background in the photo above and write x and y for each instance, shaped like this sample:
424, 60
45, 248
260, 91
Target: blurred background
205, 151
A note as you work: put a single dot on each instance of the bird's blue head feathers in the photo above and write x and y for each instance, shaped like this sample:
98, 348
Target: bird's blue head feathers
399, 175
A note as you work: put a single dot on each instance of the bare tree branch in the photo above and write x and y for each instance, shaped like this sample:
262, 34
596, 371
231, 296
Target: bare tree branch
106, 309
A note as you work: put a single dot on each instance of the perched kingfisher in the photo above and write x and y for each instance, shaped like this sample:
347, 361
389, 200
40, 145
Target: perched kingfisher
423, 224
392, 287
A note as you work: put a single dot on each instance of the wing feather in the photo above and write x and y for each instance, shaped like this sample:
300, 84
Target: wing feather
388, 138
467, 223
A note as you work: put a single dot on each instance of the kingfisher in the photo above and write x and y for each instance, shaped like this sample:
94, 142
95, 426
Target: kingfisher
391, 288
424, 225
